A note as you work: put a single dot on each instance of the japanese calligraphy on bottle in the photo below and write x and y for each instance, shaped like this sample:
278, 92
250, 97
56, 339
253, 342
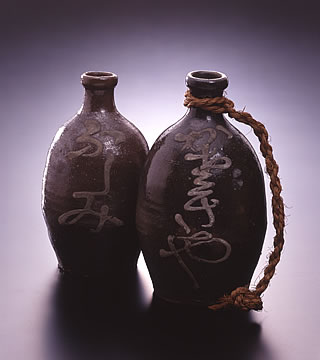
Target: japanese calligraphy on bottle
200, 199
93, 147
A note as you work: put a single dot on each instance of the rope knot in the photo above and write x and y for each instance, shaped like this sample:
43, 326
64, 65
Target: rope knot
245, 299
241, 298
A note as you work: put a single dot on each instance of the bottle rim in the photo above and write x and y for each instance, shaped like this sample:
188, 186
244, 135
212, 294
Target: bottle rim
99, 79
207, 80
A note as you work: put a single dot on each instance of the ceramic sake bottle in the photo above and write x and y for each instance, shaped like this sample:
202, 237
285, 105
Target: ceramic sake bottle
201, 213
90, 185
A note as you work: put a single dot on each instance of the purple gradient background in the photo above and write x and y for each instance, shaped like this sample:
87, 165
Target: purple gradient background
269, 50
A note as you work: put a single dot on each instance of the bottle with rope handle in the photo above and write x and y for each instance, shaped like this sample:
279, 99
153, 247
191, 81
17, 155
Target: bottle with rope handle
201, 214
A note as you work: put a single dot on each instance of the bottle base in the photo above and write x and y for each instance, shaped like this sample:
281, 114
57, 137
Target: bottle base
183, 302
113, 275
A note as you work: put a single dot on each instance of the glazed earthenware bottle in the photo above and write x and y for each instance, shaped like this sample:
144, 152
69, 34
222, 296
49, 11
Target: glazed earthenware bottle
90, 184
201, 213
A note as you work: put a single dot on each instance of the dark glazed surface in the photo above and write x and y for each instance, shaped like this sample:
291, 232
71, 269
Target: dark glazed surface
201, 212
270, 50
90, 184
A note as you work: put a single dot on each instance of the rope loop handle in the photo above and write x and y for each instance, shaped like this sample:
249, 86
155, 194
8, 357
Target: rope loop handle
243, 298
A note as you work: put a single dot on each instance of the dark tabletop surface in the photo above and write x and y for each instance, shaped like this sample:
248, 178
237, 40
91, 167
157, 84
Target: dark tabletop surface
269, 51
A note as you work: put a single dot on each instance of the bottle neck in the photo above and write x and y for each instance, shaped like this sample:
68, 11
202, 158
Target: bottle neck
206, 93
199, 113
96, 100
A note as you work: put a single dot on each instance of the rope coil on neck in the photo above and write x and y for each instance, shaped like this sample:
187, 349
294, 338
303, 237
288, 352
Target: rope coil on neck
242, 297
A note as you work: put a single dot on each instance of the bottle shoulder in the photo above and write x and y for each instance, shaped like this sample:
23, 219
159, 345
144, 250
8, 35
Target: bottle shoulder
192, 132
213, 142
84, 127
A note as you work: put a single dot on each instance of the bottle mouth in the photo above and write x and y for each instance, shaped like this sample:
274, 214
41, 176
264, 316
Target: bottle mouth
207, 80
99, 79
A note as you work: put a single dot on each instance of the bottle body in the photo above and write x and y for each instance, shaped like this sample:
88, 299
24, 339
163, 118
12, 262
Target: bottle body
90, 189
201, 213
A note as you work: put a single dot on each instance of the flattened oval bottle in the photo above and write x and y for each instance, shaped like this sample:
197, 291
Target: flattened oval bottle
90, 185
201, 213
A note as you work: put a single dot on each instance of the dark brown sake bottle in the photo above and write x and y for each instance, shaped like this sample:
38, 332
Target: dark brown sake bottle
201, 213
90, 185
